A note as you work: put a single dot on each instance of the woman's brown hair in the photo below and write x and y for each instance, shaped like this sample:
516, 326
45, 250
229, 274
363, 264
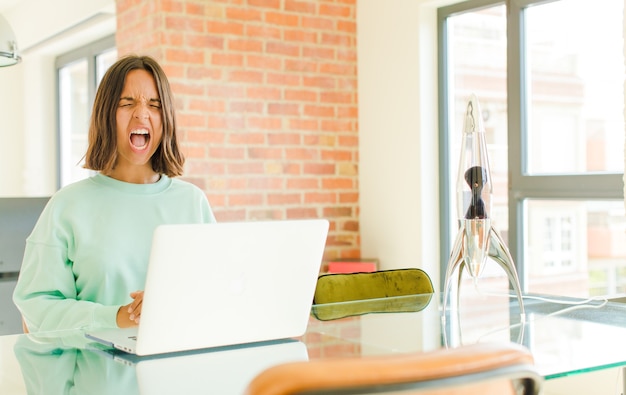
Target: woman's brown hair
102, 149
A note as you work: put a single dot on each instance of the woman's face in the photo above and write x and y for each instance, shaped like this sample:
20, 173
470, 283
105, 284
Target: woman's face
139, 125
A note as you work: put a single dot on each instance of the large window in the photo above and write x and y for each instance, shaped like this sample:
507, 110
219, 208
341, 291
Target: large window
552, 96
78, 74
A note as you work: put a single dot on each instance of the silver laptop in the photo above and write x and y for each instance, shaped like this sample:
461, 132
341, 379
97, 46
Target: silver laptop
211, 285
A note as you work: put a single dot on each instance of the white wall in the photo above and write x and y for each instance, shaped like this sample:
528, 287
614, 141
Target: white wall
44, 29
398, 133
11, 127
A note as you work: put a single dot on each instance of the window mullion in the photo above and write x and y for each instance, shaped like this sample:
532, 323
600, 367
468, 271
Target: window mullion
516, 125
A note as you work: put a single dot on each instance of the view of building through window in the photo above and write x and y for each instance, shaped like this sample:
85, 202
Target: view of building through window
574, 125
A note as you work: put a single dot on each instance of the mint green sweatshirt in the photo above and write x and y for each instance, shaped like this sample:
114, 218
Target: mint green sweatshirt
90, 248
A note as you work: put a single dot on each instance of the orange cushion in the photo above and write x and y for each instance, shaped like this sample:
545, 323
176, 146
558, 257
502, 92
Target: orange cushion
351, 267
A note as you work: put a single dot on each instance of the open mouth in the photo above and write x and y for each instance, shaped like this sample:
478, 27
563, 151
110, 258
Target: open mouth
139, 138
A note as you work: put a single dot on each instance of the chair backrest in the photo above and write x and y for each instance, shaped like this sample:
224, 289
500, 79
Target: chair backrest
483, 368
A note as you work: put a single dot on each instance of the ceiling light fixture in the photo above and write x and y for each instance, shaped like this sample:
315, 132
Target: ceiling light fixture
8, 46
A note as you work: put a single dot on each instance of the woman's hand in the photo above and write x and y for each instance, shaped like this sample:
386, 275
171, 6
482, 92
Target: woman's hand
130, 314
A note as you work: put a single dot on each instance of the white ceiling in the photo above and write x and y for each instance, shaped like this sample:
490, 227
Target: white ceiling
81, 22
8, 4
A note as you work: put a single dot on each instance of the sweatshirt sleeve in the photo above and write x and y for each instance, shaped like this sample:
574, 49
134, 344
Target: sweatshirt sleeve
80, 264
46, 293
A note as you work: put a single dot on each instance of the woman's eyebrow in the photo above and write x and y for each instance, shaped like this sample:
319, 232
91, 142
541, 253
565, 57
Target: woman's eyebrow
157, 100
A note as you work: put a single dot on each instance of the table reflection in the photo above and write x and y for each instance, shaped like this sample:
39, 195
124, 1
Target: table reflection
64, 365
70, 364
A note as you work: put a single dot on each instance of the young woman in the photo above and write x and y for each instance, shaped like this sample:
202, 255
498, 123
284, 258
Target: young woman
85, 261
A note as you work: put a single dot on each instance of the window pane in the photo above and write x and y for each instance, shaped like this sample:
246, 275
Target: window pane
103, 62
477, 64
75, 85
73, 120
575, 248
575, 86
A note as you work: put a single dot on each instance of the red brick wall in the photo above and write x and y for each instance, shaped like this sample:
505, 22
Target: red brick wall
266, 92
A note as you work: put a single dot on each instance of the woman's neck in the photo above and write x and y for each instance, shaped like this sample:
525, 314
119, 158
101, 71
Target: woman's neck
134, 176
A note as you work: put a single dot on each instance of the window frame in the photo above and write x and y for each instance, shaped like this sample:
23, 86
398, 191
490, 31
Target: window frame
88, 52
521, 185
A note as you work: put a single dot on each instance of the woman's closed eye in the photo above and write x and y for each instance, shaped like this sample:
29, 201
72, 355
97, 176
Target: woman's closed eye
126, 103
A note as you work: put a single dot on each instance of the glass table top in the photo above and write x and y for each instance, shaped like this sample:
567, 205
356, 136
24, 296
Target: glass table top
566, 337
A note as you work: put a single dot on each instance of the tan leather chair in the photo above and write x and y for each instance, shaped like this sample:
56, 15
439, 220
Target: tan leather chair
483, 368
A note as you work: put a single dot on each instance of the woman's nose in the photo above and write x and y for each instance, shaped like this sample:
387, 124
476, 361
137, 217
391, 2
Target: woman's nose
141, 111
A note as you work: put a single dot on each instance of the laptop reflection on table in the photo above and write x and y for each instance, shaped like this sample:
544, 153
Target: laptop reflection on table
222, 370
67, 363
